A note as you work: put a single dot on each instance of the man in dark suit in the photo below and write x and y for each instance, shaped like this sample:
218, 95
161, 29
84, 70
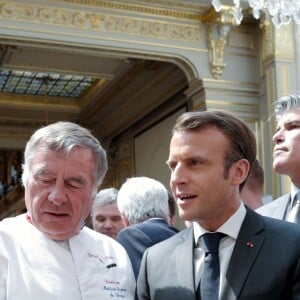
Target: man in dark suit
286, 157
258, 258
144, 206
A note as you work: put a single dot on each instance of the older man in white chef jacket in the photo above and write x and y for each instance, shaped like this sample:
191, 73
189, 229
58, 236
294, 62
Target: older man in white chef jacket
48, 253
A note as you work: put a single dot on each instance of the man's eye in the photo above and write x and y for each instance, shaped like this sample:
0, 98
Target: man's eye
172, 166
194, 162
293, 126
45, 180
74, 184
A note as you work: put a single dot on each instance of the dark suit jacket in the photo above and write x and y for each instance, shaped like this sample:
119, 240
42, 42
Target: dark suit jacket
138, 237
270, 270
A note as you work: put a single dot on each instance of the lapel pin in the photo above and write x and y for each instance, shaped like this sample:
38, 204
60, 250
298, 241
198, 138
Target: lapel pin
249, 244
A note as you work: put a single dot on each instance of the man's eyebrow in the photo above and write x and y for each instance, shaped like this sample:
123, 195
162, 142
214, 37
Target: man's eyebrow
41, 171
289, 122
293, 121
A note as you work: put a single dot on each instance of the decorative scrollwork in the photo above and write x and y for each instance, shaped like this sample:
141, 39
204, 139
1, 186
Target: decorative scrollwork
100, 22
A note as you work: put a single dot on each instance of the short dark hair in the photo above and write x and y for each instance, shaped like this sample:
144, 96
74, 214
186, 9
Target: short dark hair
241, 138
256, 176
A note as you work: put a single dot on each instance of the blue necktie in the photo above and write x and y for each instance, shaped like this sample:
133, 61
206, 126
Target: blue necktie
210, 280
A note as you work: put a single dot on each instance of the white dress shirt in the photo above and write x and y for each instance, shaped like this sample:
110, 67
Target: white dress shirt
289, 214
231, 228
294, 190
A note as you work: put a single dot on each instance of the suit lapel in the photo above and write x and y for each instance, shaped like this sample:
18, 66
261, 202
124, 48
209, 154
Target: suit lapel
277, 208
281, 207
247, 247
184, 261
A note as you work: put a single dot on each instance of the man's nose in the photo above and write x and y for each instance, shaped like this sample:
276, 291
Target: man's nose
58, 194
108, 224
278, 137
178, 175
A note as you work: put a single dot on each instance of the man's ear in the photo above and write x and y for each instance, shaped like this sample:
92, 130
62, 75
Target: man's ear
240, 170
125, 221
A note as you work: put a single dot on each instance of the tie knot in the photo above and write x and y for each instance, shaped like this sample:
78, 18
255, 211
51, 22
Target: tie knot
211, 241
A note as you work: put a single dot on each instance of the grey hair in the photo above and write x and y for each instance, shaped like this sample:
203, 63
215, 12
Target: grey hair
142, 198
105, 196
64, 137
285, 103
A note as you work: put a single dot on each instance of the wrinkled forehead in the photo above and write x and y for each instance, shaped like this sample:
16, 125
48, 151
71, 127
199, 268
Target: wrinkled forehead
108, 209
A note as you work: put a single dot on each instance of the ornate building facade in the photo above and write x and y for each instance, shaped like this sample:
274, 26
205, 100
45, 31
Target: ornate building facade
141, 63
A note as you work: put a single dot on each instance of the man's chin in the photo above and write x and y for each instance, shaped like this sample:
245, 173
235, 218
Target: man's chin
279, 168
59, 236
58, 233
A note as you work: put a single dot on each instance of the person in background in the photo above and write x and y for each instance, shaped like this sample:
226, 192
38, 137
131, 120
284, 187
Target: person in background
105, 214
252, 191
143, 203
47, 253
172, 209
230, 252
286, 159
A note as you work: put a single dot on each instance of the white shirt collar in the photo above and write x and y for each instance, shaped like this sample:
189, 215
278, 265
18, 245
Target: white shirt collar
294, 191
231, 227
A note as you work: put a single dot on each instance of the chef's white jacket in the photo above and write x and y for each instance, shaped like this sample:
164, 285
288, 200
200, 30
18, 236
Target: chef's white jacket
88, 266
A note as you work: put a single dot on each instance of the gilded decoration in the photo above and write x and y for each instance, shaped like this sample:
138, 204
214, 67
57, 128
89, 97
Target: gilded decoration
277, 42
284, 42
268, 41
170, 9
219, 25
85, 20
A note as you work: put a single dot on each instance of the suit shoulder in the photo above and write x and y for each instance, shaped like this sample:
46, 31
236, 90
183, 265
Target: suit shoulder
270, 227
279, 226
133, 231
267, 209
172, 241
274, 202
